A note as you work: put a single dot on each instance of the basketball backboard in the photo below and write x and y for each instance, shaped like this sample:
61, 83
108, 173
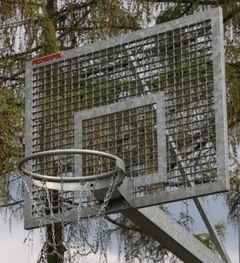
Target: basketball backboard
155, 98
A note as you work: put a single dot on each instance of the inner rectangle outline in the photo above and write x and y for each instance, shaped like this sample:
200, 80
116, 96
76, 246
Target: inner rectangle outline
159, 101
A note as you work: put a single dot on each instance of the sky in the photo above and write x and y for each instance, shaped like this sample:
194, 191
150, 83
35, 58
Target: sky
218, 212
16, 248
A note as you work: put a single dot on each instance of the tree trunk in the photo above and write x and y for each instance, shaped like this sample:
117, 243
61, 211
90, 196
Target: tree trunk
58, 255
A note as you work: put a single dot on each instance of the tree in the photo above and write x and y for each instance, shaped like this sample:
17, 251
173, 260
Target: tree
179, 8
36, 28
31, 29
234, 195
206, 238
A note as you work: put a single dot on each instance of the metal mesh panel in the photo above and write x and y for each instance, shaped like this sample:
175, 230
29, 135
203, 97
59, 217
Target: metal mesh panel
176, 58
129, 134
174, 61
192, 136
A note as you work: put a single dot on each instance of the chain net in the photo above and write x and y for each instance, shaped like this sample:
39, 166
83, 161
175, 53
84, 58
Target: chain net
68, 237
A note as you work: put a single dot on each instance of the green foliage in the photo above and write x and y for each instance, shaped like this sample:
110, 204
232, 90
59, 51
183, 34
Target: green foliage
11, 130
50, 44
231, 9
36, 28
233, 106
11, 134
136, 244
31, 29
172, 11
206, 238
234, 194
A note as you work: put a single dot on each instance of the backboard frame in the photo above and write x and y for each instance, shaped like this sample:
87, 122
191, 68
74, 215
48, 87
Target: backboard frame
126, 44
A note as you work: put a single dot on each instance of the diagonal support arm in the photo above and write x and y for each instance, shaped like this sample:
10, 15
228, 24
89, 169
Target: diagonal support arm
200, 206
198, 201
169, 233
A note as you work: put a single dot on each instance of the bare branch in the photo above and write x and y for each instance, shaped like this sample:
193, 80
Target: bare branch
123, 226
12, 204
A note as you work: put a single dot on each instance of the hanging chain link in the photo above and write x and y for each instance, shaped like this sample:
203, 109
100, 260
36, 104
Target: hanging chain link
93, 248
36, 208
111, 188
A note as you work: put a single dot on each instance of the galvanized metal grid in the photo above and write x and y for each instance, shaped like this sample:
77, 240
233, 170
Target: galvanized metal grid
129, 134
133, 129
182, 58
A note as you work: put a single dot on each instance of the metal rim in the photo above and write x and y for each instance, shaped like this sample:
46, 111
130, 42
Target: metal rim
119, 163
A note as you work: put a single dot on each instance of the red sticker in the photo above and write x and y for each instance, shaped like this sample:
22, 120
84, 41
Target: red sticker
45, 59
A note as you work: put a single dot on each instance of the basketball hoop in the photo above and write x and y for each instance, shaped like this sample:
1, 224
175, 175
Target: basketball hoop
94, 193
119, 163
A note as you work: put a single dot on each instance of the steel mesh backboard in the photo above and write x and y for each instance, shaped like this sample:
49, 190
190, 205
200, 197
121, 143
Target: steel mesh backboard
97, 97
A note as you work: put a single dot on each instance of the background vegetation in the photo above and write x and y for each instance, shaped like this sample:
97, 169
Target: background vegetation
34, 28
